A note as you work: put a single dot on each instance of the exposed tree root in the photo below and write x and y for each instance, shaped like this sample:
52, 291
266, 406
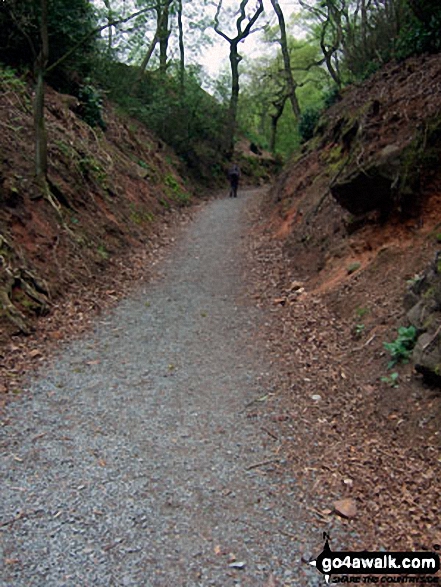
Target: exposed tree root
19, 278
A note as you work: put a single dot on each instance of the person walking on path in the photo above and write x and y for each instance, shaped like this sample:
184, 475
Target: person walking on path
233, 176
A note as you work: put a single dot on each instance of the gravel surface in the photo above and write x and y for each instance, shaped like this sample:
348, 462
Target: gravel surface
135, 461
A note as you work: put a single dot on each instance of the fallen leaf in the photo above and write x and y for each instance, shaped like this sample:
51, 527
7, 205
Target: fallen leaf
56, 335
296, 285
281, 301
346, 508
35, 354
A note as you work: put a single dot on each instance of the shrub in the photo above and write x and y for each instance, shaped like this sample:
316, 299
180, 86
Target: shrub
308, 122
401, 348
91, 105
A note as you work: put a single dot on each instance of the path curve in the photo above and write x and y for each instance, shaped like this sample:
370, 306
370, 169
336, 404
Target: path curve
131, 462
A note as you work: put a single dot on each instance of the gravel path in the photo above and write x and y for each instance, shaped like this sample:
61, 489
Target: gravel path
132, 461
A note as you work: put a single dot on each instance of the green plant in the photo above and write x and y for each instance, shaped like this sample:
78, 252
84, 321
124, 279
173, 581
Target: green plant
91, 106
361, 312
103, 252
308, 122
9, 80
415, 280
358, 330
174, 190
139, 216
401, 348
391, 380
331, 96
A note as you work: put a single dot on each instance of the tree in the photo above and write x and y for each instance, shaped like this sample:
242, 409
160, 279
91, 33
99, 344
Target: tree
39, 119
289, 78
41, 44
264, 108
163, 15
328, 14
181, 47
235, 59
161, 35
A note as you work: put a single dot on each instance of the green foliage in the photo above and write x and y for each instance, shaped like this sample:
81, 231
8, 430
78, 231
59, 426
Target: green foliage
190, 121
103, 252
91, 106
308, 122
358, 330
139, 216
420, 31
361, 312
401, 348
391, 380
174, 189
10, 80
331, 96
263, 87
69, 21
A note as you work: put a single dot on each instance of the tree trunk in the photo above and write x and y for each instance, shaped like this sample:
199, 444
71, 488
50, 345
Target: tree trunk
181, 48
150, 50
39, 121
164, 35
144, 64
40, 130
109, 19
235, 59
290, 81
327, 54
279, 105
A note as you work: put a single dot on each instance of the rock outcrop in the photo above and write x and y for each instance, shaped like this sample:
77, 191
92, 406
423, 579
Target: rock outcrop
424, 312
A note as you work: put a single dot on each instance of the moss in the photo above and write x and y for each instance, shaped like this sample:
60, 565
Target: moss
422, 153
429, 293
428, 323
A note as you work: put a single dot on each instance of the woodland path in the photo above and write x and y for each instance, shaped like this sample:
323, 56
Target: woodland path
133, 461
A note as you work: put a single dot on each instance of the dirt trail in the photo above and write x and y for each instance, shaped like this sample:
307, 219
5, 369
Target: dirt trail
134, 460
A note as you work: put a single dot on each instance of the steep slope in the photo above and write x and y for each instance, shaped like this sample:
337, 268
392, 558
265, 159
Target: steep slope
370, 173
107, 189
353, 222
358, 210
